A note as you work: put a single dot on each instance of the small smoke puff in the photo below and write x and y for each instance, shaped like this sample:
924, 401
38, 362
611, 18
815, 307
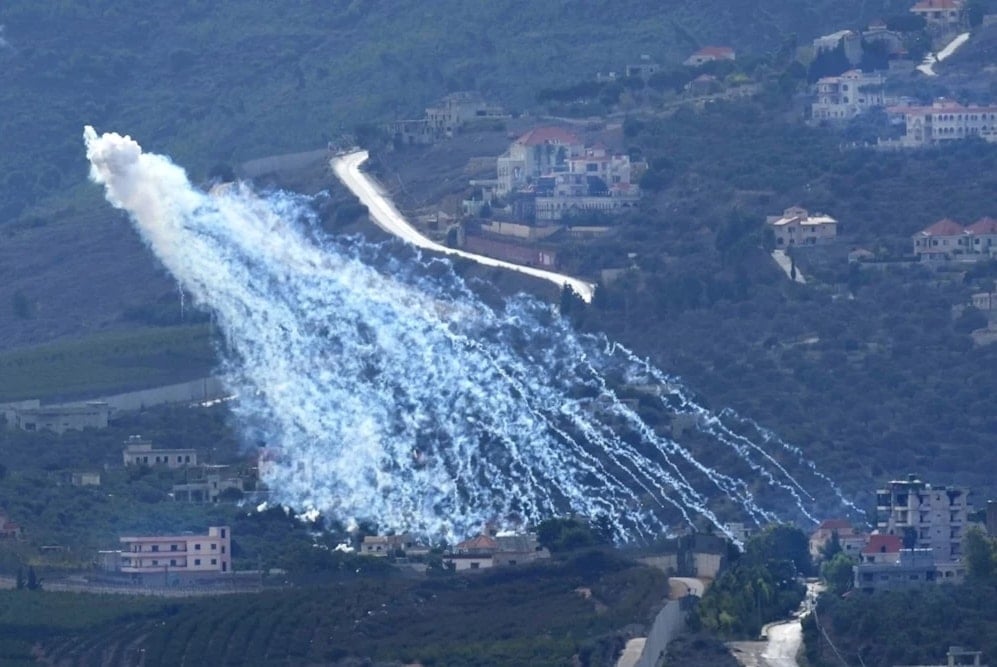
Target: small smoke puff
4, 44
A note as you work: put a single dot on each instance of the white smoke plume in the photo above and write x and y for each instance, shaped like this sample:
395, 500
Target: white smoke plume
4, 44
383, 389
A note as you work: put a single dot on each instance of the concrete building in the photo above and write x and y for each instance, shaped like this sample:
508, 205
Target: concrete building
181, 554
948, 240
797, 227
925, 516
33, 416
850, 40
851, 541
645, 69
882, 549
958, 657
709, 54
140, 452
943, 240
453, 113
385, 545
942, 122
541, 151
846, 96
981, 237
485, 551
85, 479
914, 568
207, 490
9, 529
940, 12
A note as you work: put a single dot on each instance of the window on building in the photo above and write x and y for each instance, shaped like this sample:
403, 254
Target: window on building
213, 546
173, 562
197, 561
214, 561
173, 547
197, 547
155, 547
223, 532
155, 562
475, 566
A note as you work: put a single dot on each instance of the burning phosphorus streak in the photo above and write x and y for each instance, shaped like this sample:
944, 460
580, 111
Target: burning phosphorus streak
384, 390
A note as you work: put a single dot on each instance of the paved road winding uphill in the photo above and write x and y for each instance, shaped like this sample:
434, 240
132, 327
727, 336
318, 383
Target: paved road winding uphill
386, 216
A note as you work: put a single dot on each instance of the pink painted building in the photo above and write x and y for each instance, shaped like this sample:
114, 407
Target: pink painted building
180, 554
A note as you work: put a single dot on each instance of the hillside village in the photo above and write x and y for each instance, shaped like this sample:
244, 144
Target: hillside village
563, 174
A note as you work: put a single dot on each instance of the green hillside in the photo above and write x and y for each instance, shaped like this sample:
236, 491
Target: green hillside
225, 81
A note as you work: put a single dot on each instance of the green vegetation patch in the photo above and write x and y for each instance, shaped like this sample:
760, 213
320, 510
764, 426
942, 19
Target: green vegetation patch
107, 363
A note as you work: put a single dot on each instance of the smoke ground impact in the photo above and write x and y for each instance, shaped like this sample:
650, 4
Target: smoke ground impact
384, 390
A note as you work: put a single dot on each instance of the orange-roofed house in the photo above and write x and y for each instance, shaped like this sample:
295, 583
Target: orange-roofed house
851, 540
882, 549
981, 237
709, 54
477, 553
939, 12
941, 241
541, 151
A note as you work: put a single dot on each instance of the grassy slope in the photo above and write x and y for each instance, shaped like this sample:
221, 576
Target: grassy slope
106, 363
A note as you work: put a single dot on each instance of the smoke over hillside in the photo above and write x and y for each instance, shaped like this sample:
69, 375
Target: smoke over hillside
383, 389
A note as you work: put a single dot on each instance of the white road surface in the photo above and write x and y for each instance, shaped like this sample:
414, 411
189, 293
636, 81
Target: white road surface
786, 264
779, 650
387, 217
928, 66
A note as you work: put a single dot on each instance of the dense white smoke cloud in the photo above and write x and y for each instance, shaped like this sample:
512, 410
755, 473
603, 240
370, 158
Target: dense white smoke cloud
395, 395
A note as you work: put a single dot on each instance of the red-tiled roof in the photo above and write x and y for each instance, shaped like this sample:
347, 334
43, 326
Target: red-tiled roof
983, 226
944, 227
715, 51
926, 5
835, 524
883, 544
479, 543
548, 135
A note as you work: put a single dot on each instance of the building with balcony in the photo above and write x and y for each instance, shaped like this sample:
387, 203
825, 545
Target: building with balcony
925, 516
844, 97
942, 122
210, 553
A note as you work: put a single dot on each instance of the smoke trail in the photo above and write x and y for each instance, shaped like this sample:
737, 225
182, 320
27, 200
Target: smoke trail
384, 389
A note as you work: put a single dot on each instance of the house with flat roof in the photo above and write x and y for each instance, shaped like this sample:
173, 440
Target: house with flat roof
33, 416
209, 553
797, 227
941, 122
141, 452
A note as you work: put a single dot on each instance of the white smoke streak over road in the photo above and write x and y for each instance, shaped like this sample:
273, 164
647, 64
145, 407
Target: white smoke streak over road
384, 389
384, 213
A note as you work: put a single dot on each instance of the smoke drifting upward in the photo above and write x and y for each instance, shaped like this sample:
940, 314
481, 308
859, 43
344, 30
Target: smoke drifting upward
385, 390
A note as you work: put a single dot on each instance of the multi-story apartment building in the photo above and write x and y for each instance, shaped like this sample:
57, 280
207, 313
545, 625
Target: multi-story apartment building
944, 121
846, 96
926, 517
177, 554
